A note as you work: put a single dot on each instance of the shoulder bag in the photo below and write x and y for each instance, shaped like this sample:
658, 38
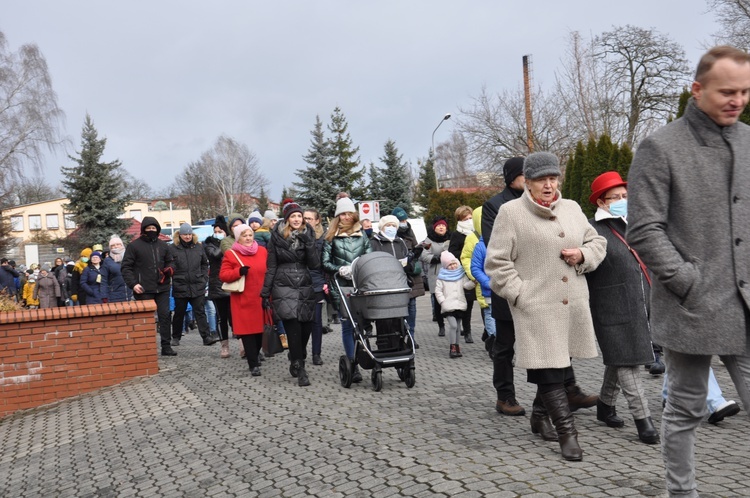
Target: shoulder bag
237, 285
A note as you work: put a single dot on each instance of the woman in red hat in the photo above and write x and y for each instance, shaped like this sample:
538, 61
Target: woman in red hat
619, 292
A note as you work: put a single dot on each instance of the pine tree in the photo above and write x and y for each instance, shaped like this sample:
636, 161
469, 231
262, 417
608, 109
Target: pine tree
394, 183
262, 200
96, 190
375, 187
348, 175
426, 182
317, 187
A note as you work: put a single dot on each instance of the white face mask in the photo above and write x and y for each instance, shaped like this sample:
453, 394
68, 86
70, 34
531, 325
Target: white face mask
465, 226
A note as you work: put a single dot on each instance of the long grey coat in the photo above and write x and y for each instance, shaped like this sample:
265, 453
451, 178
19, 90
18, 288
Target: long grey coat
689, 219
47, 290
549, 299
619, 299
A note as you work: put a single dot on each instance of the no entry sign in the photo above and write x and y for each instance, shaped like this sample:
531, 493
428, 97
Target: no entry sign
369, 210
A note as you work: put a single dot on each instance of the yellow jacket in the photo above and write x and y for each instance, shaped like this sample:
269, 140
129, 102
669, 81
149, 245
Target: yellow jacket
468, 250
28, 294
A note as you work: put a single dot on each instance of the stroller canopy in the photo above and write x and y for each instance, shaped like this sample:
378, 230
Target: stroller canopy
378, 271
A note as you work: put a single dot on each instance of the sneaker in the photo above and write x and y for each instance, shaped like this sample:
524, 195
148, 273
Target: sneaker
336, 320
441, 332
509, 407
168, 351
175, 342
726, 409
317, 360
255, 371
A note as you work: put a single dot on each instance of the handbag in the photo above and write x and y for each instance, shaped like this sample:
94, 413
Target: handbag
237, 285
271, 343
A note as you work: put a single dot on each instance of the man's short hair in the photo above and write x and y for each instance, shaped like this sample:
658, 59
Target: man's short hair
721, 52
3, 261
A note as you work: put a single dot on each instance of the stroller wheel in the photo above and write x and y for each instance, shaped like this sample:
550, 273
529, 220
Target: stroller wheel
377, 380
410, 375
345, 371
400, 372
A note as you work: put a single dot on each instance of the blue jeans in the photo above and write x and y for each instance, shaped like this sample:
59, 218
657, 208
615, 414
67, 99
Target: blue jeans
211, 315
489, 321
411, 320
347, 337
715, 397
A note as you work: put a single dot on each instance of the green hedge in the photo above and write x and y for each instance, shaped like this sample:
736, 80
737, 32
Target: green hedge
444, 203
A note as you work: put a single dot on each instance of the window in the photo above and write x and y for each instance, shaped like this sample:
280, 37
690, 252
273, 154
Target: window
53, 223
70, 223
35, 222
16, 223
136, 213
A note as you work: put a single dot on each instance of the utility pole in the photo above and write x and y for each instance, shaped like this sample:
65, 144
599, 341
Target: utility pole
527, 99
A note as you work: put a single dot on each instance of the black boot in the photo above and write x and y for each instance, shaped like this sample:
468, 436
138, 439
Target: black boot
556, 403
647, 433
607, 414
578, 399
441, 331
302, 379
467, 337
209, 339
356, 375
657, 367
168, 351
540, 423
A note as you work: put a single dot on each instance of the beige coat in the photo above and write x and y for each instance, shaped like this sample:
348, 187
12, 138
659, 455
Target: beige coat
549, 299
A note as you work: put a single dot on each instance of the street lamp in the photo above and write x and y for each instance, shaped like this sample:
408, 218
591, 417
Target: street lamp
445, 118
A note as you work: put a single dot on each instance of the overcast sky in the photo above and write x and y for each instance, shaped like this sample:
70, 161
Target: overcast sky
163, 79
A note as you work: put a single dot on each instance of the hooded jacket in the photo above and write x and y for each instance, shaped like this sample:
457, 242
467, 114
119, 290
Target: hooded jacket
190, 267
467, 254
212, 247
113, 285
288, 281
145, 260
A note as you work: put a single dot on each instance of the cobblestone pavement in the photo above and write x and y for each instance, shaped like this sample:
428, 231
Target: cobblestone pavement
205, 427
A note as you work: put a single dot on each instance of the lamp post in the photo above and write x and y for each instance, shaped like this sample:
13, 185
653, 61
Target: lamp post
445, 118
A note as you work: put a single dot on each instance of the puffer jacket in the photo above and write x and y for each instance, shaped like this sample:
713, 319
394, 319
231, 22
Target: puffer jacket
341, 251
190, 268
467, 253
288, 281
113, 285
91, 283
212, 247
318, 277
145, 260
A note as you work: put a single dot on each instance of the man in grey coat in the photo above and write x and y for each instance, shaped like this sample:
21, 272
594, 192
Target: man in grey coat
688, 219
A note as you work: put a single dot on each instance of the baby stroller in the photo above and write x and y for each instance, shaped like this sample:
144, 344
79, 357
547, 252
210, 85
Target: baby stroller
379, 296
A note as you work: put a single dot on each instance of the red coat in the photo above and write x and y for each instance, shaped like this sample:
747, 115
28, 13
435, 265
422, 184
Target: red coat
247, 307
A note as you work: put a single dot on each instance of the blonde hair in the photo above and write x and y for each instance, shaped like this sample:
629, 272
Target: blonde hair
462, 212
333, 228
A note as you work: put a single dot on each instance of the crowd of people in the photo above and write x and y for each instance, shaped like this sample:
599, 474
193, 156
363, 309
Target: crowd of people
664, 276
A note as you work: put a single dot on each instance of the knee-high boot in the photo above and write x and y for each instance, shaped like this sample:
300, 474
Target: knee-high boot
556, 403
540, 423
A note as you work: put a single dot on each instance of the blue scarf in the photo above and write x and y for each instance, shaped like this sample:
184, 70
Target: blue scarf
451, 275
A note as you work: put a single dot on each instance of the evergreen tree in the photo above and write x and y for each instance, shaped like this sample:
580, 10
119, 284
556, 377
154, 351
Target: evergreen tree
686, 94
347, 174
394, 181
375, 187
574, 173
426, 182
318, 187
262, 200
96, 190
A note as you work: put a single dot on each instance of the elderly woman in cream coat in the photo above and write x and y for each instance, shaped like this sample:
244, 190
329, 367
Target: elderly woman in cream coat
537, 261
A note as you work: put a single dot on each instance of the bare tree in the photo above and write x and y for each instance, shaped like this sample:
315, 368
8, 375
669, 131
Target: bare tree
494, 127
222, 180
30, 119
452, 160
28, 190
734, 18
136, 188
647, 71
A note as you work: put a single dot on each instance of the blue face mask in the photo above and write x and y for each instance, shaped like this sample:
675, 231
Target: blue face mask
390, 232
218, 236
368, 232
619, 208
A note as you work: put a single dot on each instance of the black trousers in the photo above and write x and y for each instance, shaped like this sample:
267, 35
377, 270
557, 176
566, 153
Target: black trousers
502, 359
551, 378
162, 312
297, 336
437, 311
223, 316
471, 297
252, 344
199, 311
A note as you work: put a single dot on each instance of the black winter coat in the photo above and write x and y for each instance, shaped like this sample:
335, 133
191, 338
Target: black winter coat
212, 246
190, 268
318, 277
619, 298
113, 285
142, 263
288, 281
8, 279
500, 308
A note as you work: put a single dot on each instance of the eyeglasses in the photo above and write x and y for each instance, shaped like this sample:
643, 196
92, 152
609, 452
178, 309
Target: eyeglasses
309, 219
616, 197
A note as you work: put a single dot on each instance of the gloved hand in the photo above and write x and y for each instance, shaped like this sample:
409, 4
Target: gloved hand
244, 270
74, 298
105, 300
165, 274
346, 272
266, 303
435, 260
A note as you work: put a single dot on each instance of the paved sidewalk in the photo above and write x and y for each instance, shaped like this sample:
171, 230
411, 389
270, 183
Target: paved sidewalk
205, 427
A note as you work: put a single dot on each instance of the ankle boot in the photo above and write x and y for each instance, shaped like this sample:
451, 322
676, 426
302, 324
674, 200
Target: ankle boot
657, 367
302, 379
459, 354
607, 414
453, 353
556, 403
225, 349
578, 399
647, 433
356, 375
467, 337
540, 423
441, 332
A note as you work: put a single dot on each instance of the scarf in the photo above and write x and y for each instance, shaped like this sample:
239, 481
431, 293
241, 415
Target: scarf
246, 250
117, 254
451, 275
545, 203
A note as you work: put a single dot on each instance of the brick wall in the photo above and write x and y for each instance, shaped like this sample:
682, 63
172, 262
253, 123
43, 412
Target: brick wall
50, 354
